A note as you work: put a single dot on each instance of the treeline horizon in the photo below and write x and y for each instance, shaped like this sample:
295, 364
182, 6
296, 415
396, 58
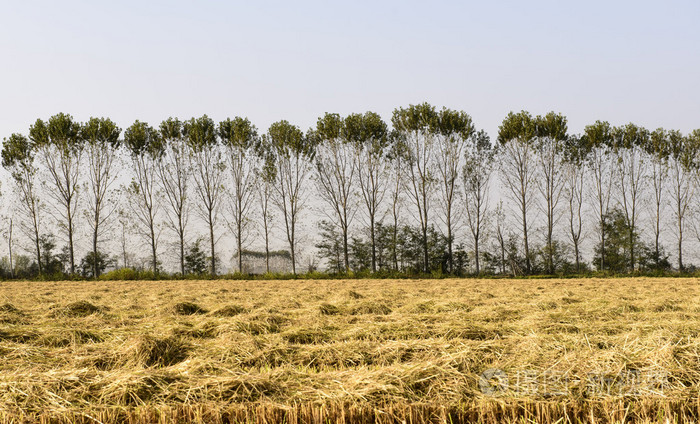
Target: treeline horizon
430, 195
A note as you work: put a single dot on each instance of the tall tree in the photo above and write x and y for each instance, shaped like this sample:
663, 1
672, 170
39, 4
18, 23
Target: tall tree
453, 129
266, 176
101, 138
550, 135
476, 173
209, 168
335, 173
657, 149
517, 160
598, 140
60, 148
395, 157
240, 138
575, 174
683, 168
628, 144
145, 148
18, 159
415, 127
293, 153
369, 136
175, 174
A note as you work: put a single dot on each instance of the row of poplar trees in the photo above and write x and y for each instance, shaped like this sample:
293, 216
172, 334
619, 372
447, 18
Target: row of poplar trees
432, 168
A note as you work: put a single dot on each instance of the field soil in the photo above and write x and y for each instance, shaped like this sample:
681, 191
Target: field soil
351, 351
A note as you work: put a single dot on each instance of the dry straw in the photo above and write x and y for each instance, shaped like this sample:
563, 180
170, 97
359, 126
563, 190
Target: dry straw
360, 351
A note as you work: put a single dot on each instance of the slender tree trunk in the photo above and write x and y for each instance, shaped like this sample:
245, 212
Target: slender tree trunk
211, 245
449, 242
680, 233
528, 266
476, 253
680, 245
70, 240
267, 244
291, 247
95, 272
9, 245
154, 254
36, 244
346, 256
240, 246
602, 237
373, 241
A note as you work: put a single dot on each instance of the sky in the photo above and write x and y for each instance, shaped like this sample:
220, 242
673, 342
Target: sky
621, 61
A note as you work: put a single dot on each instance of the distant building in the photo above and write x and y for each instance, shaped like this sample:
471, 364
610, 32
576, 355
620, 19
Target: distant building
254, 262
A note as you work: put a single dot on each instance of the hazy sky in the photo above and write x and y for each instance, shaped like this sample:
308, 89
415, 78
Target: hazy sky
615, 60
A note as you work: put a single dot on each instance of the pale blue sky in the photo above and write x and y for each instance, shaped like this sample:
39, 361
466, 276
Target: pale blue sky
616, 60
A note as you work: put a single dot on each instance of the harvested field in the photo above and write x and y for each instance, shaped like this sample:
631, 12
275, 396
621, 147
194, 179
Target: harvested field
352, 351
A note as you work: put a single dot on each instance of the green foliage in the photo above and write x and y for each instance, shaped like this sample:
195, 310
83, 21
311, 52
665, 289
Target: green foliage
140, 139
551, 126
200, 133
617, 248
288, 140
195, 259
409, 246
238, 133
452, 123
17, 152
367, 131
130, 274
598, 135
92, 262
60, 131
517, 126
328, 127
421, 118
171, 129
101, 132
52, 263
628, 137
330, 246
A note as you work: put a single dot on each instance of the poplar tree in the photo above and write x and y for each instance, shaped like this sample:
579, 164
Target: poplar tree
101, 138
240, 137
208, 168
145, 147
60, 149
518, 166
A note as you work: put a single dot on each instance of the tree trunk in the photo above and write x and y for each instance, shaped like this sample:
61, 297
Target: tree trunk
9, 245
294, 262
240, 245
631, 248
476, 254
153, 250
70, 241
373, 241
449, 245
182, 251
95, 272
211, 244
680, 239
527, 246
346, 256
